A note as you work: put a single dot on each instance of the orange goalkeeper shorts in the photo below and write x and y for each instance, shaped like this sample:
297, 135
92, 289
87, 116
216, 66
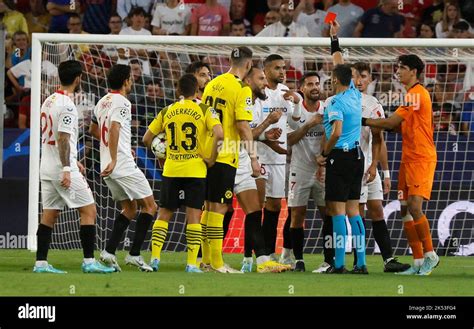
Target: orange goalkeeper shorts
416, 178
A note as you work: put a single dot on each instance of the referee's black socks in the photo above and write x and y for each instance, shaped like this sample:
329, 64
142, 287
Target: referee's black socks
328, 246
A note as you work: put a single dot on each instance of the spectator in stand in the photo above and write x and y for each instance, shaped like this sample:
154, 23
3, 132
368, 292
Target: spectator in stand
210, 19
381, 22
20, 51
237, 28
434, 13
23, 69
426, 30
461, 30
96, 15
174, 17
286, 27
74, 25
150, 104
271, 17
237, 13
451, 16
137, 20
38, 19
257, 11
115, 26
124, 7
60, 11
348, 15
12, 20
140, 80
306, 14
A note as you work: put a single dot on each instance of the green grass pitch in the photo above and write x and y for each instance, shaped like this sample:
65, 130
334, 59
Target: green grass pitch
453, 277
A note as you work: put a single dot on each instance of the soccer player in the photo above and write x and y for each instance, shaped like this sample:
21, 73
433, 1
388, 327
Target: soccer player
417, 168
187, 125
305, 142
344, 161
127, 183
373, 145
232, 99
245, 187
202, 72
62, 182
273, 163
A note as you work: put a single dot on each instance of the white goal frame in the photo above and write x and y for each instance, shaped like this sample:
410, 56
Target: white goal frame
39, 38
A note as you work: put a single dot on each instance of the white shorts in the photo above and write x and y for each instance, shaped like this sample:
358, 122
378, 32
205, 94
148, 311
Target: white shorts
132, 187
302, 184
275, 180
244, 183
78, 195
372, 190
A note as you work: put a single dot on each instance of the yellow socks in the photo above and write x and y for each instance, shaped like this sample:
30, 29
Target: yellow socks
158, 237
206, 251
215, 234
193, 238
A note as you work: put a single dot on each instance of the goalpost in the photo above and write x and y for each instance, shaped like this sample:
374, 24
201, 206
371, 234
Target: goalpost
162, 59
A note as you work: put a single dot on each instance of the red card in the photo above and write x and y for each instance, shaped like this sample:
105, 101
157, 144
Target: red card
330, 17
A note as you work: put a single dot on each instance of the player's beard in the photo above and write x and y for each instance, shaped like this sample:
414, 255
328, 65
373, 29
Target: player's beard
313, 96
260, 94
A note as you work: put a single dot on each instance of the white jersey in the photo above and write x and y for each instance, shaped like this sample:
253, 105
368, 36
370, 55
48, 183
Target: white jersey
306, 149
274, 102
58, 114
371, 108
245, 165
115, 107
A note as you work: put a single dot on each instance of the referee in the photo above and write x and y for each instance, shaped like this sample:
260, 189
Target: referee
344, 161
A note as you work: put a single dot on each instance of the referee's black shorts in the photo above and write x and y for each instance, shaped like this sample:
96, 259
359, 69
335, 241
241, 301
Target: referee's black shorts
220, 183
344, 172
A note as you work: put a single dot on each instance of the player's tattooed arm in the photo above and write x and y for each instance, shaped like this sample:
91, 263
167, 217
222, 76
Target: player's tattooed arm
64, 150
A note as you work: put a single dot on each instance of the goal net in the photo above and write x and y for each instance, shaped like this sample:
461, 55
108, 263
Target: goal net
158, 62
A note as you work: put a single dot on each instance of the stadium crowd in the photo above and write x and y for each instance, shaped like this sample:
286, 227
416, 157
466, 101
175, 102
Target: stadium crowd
156, 73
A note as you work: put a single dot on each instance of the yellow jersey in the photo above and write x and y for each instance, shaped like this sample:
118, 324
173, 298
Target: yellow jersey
232, 100
187, 126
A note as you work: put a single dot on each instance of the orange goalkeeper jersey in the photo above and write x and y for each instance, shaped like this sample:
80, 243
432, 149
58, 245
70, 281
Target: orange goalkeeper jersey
417, 126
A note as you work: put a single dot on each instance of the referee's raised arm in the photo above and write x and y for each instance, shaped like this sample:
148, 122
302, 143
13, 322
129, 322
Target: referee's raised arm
336, 51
